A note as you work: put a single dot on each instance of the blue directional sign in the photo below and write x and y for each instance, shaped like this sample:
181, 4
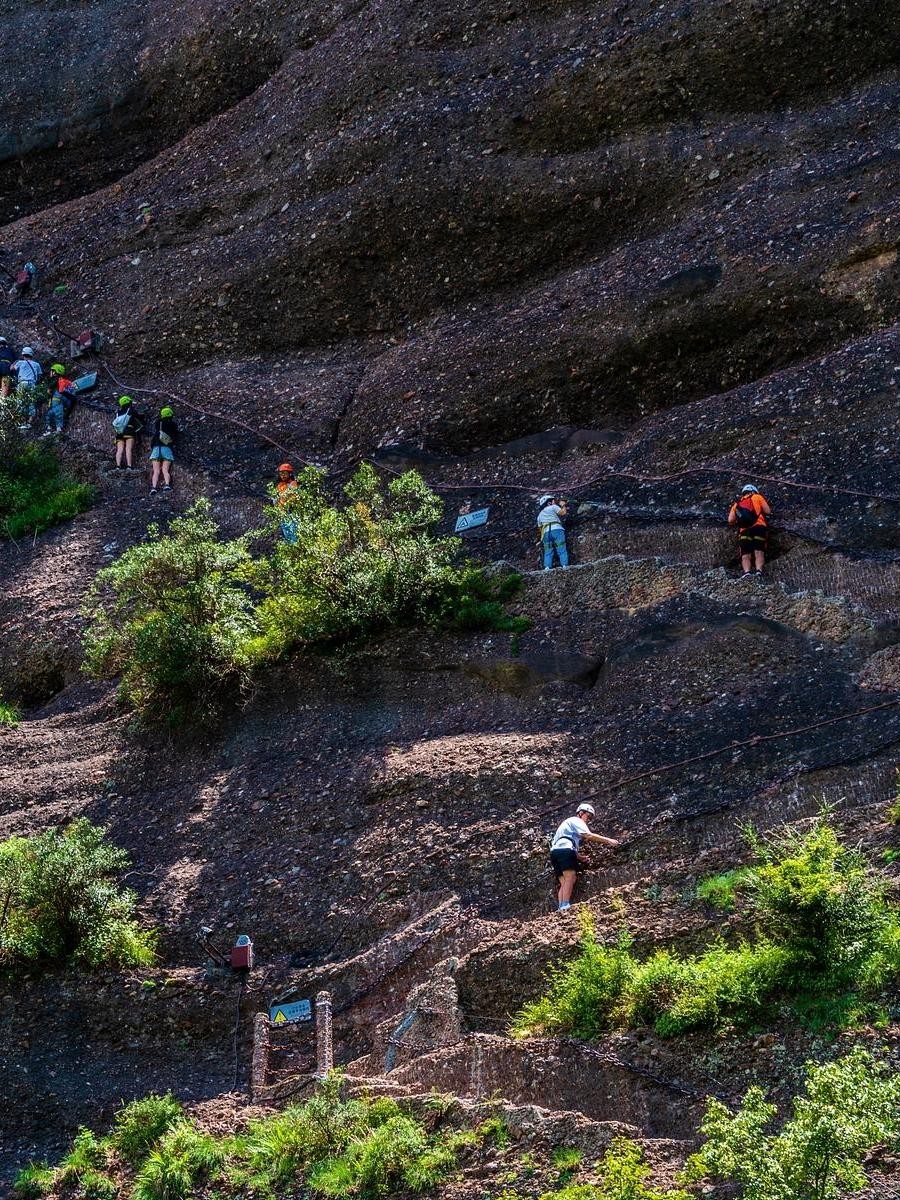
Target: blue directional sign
472, 520
289, 1014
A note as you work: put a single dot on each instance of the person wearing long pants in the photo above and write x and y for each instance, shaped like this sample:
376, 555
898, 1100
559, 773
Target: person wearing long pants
553, 534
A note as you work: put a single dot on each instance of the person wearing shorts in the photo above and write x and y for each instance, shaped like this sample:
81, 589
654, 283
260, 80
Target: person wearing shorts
127, 425
753, 538
162, 450
565, 851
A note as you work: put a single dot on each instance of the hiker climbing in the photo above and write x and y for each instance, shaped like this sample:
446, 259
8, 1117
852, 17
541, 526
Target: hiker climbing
28, 372
566, 856
162, 450
126, 426
62, 397
748, 514
552, 533
22, 281
286, 487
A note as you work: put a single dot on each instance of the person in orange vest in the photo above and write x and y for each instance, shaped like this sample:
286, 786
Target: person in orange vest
286, 487
748, 514
61, 399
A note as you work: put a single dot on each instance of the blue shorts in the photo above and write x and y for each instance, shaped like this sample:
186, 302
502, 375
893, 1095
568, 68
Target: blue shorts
163, 453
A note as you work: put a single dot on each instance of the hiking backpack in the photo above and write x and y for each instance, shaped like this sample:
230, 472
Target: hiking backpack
120, 422
745, 514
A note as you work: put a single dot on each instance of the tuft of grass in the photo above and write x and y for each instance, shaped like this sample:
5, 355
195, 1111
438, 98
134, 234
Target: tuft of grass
139, 1125
183, 1159
34, 1182
10, 714
720, 891
566, 1160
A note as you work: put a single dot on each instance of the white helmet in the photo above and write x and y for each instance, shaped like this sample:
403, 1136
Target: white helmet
542, 500
27, 352
748, 488
588, 808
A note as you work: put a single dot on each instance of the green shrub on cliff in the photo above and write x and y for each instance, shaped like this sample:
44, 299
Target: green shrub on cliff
326, 1146
172, 618
826, 938
36, 493
849, 1107
370, 563
186, 617
61, 902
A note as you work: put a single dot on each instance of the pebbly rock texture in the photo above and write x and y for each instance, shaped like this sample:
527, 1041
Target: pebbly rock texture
638, 252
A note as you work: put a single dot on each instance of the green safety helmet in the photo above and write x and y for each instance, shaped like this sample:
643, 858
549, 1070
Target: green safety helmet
58, 369
124, 401
166, 412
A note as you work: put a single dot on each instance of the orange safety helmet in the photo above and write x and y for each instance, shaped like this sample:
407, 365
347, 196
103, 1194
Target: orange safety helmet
285, 467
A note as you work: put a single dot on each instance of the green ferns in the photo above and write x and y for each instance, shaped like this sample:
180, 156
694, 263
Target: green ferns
326, 1147
187, 617
825, 939
60, 901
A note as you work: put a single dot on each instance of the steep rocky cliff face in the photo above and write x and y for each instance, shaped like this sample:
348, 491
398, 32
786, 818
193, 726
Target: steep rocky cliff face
642, 251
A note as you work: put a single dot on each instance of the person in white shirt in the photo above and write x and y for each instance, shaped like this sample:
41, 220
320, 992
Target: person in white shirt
565, 850
553, 535
28, 372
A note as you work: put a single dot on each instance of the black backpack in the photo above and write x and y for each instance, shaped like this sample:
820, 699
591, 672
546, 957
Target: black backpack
745, 514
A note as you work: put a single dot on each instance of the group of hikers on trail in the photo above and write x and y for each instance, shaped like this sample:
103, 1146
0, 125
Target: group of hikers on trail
748, 514
23, 373
128, 423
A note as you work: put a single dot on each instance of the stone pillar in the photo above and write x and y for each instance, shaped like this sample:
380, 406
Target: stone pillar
260, 1064
324, 1047
475, 1073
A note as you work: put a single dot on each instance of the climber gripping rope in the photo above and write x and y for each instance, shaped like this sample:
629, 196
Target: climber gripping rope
551, 532
748, 514
566, 856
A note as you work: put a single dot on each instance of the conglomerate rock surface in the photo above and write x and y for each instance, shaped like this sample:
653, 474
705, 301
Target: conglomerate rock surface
640, 251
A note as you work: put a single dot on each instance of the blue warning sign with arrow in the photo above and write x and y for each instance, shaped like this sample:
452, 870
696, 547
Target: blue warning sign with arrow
289, 1014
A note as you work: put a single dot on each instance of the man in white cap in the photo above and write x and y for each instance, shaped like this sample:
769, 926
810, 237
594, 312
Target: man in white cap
28, 372
553, 535
565, 850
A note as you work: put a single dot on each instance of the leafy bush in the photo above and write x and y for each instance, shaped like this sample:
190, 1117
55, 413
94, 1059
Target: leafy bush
816, 896
60, 901
825, 935
9, 714
35, 492
185, 617
373, 563
850, 1106
172, 617
182, 1159
140, 1124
